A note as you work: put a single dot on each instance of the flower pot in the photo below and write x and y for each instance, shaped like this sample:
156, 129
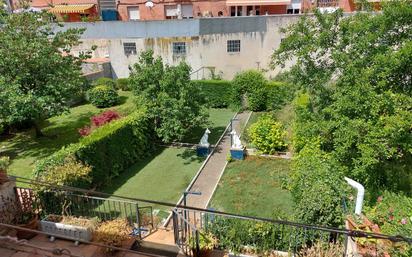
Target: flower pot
32, 224
66, 231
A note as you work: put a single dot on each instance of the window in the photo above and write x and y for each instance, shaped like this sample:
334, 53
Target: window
233, 46
171, 12
292, 11
187, 11
134, 13
236, 10
129, 48
179, 48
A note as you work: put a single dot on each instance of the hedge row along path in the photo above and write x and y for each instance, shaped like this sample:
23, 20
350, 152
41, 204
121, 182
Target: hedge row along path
214, 167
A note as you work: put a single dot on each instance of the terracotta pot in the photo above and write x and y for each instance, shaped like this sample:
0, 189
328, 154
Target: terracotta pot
32, 224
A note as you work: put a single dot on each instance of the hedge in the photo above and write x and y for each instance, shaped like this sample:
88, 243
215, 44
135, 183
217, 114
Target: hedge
109, 150
218, 93
277, 95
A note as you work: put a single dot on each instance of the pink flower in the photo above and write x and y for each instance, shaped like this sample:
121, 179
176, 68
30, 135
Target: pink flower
380, 198
404, 221
391, 218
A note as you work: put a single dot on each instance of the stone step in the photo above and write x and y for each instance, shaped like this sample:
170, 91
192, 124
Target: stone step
156, 248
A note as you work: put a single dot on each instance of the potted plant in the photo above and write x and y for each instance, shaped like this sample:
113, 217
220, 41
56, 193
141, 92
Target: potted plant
114, 233
207, 242
69, 226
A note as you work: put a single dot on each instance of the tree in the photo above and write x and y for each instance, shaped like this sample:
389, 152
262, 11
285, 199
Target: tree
174, 103
357, 73
38, 73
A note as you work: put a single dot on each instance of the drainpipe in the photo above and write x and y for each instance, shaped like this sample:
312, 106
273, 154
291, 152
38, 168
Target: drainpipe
359, 197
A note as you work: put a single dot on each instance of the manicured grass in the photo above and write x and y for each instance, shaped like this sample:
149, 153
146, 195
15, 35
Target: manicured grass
253, 187
162, 177
24, 149
218, 120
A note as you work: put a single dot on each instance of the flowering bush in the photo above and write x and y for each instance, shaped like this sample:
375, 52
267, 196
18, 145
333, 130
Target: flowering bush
98, 121
393, 214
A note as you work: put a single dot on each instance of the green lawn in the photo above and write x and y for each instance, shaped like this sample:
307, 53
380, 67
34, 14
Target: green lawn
24, 149
253, 187
218, 120
162, 177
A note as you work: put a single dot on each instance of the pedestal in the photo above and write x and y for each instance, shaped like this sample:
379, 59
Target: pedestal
237, 154
202, 151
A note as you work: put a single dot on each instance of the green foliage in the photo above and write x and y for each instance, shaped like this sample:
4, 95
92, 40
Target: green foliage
70, 173
250, 84
278, 94
267, 135
207, 241
174, 103
123, 84
103, 96
105, 82
109, 150
317, 187
236, 234
218, 93
4, 162
392, 213
359, 97
39, 75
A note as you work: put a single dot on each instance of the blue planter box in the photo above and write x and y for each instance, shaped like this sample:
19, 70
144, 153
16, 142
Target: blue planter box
237, 154
202, 151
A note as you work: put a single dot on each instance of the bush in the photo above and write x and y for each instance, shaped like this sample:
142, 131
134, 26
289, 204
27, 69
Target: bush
105, 82
218, 93
267, 135
317, 187
277, 95
123, 84
109, 150
251, 84
70, 173
113, 233
103, 96
98, 121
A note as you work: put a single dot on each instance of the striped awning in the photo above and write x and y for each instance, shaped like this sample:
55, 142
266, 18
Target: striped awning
71, 8
257, 2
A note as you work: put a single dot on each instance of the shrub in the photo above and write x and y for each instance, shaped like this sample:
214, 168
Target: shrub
70, 173
4, 162
98, 121
267, 135
123, 84
321, 249
113, 233
105, 82
315, 171
277, 95
110, 149
251, 84
103, 96
218, 93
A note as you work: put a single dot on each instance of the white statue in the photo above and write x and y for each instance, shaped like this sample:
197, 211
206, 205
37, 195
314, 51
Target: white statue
236, 143
204, 141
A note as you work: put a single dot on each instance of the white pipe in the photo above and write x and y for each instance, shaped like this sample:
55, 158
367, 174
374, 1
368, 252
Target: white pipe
361, 194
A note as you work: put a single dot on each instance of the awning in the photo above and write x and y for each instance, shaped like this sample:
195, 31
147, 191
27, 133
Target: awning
257, 2
71, 8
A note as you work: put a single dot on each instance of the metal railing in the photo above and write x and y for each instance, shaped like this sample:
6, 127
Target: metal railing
60, 202
185, 234
204, 72
327, 3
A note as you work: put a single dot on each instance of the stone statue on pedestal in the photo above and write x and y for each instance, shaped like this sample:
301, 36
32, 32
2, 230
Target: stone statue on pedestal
204, 141
236, 143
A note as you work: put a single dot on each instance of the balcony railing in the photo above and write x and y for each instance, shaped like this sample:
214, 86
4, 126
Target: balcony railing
327, 3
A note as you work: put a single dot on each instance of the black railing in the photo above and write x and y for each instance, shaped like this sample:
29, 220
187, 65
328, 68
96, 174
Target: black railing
61, 202
235, 232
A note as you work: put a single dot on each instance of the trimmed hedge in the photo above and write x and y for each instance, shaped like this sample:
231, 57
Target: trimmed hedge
109, 150
218, 93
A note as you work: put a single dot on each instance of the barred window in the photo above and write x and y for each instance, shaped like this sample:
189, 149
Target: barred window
233, 46
179, 48
129, 48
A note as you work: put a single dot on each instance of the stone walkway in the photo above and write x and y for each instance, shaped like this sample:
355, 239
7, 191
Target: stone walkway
210, 175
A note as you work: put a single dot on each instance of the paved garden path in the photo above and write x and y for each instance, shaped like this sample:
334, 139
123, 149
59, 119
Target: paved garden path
211, 172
